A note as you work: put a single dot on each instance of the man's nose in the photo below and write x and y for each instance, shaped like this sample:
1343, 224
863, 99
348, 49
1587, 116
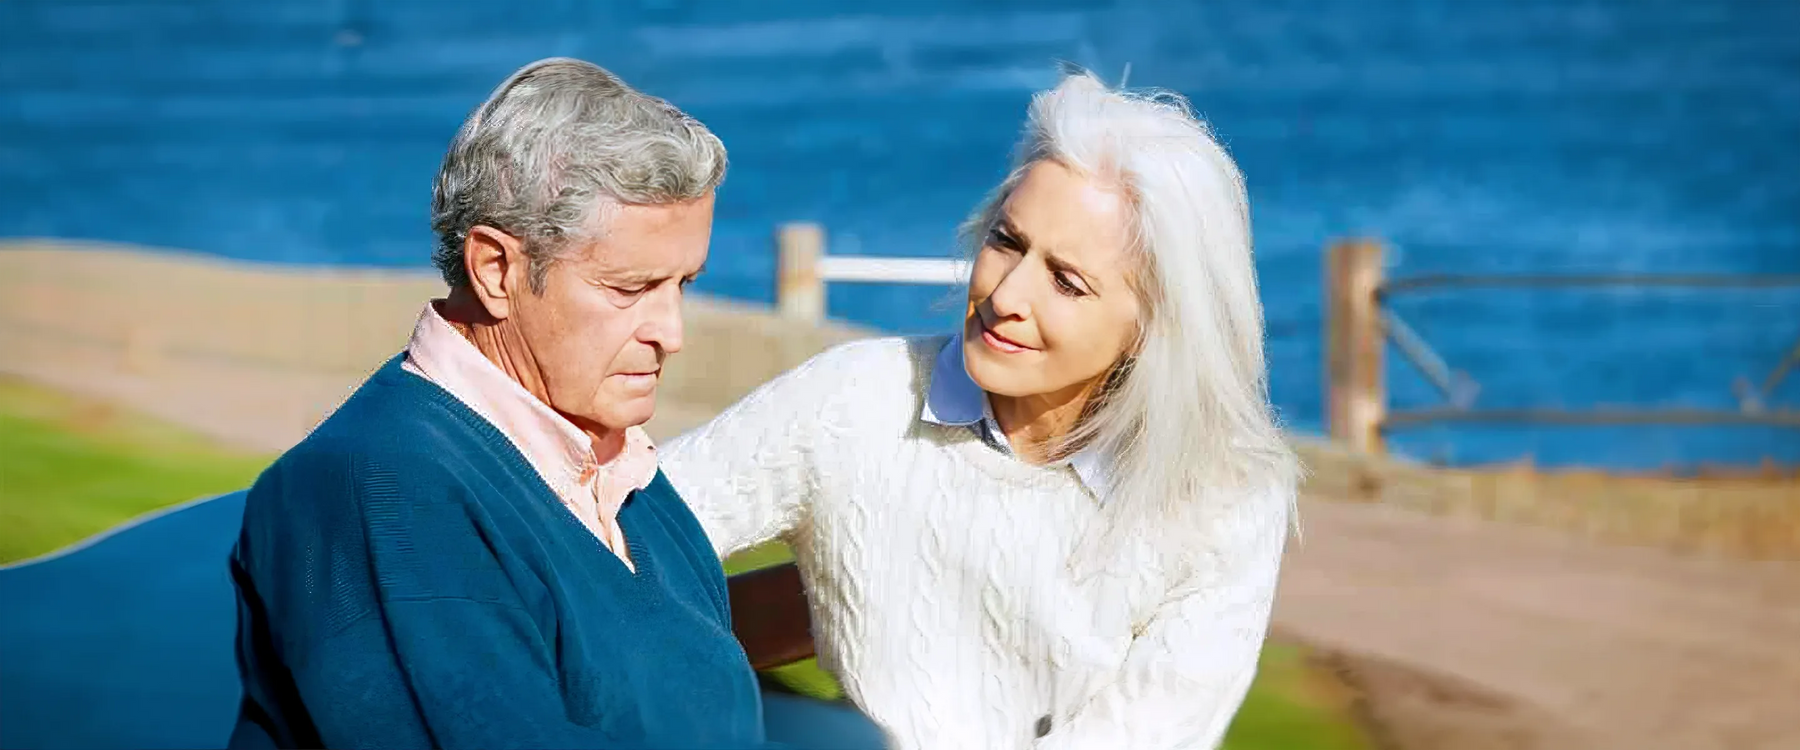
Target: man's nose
662, 325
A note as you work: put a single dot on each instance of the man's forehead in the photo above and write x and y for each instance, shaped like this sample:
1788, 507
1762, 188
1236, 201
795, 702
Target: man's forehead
659, 240
642, 259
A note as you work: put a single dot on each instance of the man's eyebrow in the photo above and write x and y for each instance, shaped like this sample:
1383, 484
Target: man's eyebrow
640, 277
625, 276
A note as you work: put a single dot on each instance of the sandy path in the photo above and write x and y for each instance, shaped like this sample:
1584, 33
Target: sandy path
1547, 641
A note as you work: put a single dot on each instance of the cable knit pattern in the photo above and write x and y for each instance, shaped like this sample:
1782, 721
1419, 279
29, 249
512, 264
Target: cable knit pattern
939, 568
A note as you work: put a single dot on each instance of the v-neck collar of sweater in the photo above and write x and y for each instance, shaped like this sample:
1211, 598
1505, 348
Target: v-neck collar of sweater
642, 569
562, 453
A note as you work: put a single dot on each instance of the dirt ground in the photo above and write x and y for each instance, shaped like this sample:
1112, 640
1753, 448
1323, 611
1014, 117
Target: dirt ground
1456, 634
1478, 636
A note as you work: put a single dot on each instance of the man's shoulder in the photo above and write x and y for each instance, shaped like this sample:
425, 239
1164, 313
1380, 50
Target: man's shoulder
391, 446
389, 427
337, 473
394, 414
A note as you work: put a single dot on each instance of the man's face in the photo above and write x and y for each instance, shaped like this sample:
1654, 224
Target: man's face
610, 313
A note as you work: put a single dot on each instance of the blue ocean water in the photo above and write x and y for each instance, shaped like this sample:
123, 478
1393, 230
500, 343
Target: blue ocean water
1476, 136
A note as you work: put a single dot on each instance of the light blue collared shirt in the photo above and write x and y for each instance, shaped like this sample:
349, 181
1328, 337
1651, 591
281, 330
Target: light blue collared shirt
953, 399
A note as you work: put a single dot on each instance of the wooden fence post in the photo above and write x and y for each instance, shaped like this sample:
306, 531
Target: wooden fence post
799, 290
1355, 397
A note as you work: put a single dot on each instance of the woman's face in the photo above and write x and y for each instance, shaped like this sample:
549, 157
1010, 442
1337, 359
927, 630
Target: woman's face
1050, 306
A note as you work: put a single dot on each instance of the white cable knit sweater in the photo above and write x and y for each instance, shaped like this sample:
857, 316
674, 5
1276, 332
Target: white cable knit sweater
938, 569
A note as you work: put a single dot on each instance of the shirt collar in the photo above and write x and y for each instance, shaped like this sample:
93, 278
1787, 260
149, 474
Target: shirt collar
560, 452
953, 399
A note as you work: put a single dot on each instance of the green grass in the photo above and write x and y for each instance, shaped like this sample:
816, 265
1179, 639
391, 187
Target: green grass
71, 468
1294, 705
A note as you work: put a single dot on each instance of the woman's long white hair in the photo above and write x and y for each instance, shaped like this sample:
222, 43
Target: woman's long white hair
1185, 416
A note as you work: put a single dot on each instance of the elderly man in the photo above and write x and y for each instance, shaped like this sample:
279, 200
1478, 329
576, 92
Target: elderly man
477, 549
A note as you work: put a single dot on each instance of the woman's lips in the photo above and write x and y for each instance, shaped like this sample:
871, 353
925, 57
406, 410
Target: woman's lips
1001, 343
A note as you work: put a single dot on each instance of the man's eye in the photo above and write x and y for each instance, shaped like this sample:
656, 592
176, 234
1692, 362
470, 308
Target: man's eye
631, 291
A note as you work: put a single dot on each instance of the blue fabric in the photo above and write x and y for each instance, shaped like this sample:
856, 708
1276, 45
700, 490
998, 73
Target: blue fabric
407, 579
953, 398
808, 724
124, 642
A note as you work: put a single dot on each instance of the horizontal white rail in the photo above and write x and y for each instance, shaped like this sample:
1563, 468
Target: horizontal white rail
892, 270
803, 268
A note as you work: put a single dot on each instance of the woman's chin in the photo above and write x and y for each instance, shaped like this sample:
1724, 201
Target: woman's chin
1000, 379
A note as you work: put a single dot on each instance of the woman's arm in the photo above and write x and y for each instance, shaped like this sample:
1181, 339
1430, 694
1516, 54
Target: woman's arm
1188, 668
750, 474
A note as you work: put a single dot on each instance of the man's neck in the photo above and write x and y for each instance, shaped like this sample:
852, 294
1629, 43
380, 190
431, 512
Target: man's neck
499, 341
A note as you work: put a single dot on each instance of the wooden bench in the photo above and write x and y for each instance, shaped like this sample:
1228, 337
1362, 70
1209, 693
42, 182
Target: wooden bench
770, 617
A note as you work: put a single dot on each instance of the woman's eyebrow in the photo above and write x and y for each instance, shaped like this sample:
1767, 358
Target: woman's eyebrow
1010, 229
1057, 263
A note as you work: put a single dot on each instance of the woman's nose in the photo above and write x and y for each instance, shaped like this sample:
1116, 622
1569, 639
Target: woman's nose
1011, 298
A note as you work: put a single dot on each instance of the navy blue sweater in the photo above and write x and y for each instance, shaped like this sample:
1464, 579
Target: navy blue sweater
405, 579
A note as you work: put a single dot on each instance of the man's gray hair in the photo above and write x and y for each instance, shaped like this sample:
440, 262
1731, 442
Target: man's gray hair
552, 149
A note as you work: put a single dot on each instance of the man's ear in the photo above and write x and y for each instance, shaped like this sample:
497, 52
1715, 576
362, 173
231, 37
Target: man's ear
495, 262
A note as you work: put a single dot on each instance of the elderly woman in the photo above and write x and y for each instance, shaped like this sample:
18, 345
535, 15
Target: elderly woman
1060, 527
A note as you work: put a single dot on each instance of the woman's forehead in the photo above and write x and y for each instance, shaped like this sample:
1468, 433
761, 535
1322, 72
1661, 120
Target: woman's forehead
1068, 215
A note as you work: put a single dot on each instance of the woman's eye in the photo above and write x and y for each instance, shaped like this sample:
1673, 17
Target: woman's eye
1000, 239
1064, 285
631, 291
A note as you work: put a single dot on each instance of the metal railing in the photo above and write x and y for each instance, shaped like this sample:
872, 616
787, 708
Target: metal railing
1360, 320
1542, 281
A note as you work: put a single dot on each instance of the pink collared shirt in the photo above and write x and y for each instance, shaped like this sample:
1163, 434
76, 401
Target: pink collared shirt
560, 452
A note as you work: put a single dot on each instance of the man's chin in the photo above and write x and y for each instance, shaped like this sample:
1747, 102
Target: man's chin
617, 414
632, 413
